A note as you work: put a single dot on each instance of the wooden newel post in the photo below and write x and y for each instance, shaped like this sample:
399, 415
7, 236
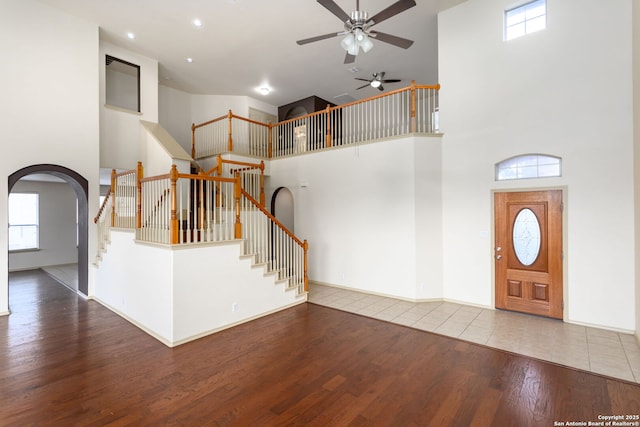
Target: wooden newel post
237, 190
305, 246
329, 138
139, 176
193, 140
219, 165
262, 196
113, 197
413, 106
230, 132
173, 225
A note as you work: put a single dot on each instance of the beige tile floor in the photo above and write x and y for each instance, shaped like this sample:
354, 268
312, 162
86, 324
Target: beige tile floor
591, 349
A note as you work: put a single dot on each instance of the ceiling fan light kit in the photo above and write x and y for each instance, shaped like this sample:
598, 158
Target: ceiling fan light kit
357, 33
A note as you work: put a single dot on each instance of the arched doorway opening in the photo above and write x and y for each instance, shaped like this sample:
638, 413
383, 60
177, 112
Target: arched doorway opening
81, 187
282, 207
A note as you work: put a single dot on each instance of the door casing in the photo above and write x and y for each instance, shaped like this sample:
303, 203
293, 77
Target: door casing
564, 252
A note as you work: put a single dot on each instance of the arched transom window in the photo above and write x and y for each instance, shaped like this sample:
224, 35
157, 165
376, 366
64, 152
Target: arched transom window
529, 166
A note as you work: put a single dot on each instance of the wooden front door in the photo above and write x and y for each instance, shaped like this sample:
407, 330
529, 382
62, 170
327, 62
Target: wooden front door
528, 252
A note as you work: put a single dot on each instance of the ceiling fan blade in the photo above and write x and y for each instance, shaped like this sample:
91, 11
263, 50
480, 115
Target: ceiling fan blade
332, 7
361, 87
394, 40
394, 9
390, 81
349, 59
316, 38
380, 88
364, 80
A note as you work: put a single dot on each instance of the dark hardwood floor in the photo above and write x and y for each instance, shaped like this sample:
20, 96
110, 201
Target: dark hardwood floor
65, 361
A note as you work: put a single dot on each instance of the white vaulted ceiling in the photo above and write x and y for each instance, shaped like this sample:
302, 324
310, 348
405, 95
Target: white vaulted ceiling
246, 44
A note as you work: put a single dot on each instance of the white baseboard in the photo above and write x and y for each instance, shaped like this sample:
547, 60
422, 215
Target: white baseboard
381, 294
231, 325
169, 343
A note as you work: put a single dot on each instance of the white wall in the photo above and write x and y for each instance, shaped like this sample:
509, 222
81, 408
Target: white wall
362, 210
57, 226
207, 107
174, 107
636, 138
136, 281
120, 128
564, 91
205, 300
49, 103
166, 291
428, 204
179, 110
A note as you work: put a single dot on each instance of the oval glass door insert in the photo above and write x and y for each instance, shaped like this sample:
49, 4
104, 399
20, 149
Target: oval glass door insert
526, 237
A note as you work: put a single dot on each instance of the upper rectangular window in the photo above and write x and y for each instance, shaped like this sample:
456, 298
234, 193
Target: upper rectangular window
525, 19
122, 84
23, 221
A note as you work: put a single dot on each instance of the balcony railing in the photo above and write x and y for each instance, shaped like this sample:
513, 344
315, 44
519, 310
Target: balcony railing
182, 209
413, 109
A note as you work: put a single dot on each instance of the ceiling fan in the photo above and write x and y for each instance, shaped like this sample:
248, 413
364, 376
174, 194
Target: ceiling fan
357, 28
376, 81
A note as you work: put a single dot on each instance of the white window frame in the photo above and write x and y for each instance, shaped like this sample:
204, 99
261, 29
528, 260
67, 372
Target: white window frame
527, 22
529, 166
14, 247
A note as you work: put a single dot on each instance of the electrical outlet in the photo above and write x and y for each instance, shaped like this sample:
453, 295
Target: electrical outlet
234, 307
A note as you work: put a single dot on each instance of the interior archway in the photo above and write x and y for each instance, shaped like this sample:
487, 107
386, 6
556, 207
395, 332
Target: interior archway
282, 207
81, 187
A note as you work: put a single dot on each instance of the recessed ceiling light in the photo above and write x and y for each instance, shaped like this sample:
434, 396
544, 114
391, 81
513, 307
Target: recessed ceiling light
131, 36
189, 60
197, 23
354, 69
264, 90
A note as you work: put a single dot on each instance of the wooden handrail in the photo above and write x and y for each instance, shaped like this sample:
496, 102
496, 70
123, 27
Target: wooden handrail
217, 119
103, 206
157, 205
236, 162
156, 178
119, 174
284, 122
360, 101
205, 177
272, 218
303, 244
251, 121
